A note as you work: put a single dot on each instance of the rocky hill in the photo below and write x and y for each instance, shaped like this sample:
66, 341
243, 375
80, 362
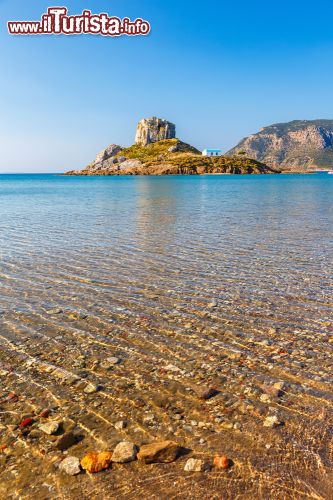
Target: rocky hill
296, 145
154, 129
158, 152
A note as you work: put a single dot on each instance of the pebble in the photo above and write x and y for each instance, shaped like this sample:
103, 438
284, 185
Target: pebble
109, 363
271, 421
54, 311
221, 462
44, 413
35, 434
172, 368
77, 316
122, 424
280, 386
227, 425
90, 389
159, 452
96, 462
26, 422
71, 465
205, 392
272, 390
124, 452
212, 304
196, 465
113, 360
50, 427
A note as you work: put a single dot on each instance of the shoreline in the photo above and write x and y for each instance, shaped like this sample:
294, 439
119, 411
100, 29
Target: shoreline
190, 175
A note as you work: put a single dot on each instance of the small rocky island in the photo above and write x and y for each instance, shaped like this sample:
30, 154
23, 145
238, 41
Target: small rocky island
157, 151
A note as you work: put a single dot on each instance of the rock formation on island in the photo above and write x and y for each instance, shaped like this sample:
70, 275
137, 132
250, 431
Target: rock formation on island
153, 130
106, 158
296, 145
158, 152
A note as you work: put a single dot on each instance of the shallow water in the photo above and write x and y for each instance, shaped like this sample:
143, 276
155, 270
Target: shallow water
266, 239
213, 281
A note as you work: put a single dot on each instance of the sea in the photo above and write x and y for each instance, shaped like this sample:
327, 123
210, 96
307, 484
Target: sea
191, 308
109, 242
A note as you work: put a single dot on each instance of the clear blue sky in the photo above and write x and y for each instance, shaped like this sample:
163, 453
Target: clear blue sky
219, 69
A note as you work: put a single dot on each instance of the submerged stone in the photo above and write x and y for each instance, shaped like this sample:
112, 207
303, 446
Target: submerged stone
96, 462
159, 452
196, 465
271, 421
221, 462
124, 452
71, 465
50, 427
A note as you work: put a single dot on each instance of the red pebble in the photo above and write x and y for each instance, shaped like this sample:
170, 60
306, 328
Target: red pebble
45, 413
26, 422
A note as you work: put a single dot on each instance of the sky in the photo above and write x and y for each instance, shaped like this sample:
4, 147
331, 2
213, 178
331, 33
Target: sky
219, 70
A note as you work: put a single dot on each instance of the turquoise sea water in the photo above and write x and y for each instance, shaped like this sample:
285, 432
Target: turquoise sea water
105, 241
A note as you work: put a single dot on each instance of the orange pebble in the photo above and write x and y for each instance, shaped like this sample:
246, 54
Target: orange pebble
96, 462
222, 462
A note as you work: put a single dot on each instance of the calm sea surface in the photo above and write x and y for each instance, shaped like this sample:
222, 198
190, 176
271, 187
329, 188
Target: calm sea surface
262, 245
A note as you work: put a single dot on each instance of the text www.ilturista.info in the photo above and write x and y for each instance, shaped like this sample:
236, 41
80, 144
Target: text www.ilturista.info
57, 22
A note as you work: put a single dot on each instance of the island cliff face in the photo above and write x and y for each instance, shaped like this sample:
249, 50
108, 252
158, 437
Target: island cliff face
297, 145
158, 152
154, 129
